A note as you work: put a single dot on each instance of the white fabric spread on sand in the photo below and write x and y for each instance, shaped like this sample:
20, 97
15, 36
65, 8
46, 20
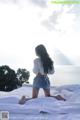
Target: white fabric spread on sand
43, 108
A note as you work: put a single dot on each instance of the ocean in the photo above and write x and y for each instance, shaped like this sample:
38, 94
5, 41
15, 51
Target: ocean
65, 74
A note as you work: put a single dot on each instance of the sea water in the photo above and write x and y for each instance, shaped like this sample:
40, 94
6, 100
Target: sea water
65, 74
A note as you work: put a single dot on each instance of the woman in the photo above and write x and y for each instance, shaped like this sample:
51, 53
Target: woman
43, 65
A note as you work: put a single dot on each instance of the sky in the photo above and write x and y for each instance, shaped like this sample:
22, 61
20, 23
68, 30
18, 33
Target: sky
25, 24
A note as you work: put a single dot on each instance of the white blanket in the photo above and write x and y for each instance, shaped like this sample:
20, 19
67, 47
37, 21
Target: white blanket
42, 108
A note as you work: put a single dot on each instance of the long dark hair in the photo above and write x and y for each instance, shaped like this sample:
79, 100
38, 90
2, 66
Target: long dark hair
45, 59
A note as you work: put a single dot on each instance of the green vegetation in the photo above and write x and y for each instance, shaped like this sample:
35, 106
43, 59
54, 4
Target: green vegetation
10, 80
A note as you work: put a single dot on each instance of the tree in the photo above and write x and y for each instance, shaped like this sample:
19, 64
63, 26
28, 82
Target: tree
23, 76
8, 79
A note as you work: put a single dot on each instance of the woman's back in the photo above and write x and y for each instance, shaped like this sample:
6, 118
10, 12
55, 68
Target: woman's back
38, 67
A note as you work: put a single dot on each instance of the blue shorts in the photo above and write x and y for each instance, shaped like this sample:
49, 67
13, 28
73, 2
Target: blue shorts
41, 81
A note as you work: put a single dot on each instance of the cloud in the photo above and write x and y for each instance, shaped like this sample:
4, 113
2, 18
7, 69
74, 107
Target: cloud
51, 21
40, 3
75, 9
60, 58
67, 14
9, 1
20, 3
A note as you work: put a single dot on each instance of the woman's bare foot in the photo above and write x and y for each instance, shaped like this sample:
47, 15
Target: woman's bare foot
59, 97
22, 100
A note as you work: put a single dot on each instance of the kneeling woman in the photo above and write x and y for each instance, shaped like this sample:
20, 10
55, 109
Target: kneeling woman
43, 65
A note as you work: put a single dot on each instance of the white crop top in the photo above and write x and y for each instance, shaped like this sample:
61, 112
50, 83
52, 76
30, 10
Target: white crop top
38, 67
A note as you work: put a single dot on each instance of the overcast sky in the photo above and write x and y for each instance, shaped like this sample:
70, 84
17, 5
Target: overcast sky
25, 24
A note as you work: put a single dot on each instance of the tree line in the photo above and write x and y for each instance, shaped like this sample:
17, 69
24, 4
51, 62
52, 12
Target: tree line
10, 80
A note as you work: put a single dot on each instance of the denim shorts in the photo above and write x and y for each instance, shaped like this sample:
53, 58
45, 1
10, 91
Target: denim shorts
41, 81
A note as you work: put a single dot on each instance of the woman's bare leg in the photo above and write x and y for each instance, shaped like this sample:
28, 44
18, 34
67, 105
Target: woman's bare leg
34, 95
47, 94
59, 97
35, 92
